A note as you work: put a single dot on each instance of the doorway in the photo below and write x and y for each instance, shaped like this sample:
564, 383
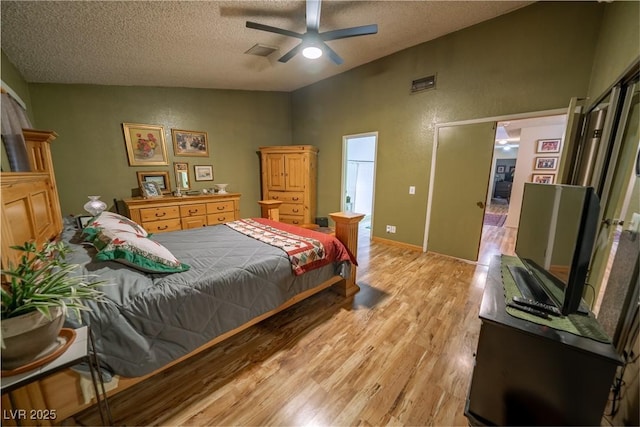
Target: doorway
358, 176
479, 242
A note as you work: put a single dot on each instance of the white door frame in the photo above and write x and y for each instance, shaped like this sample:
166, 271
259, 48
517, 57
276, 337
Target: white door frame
343, 182
432, 175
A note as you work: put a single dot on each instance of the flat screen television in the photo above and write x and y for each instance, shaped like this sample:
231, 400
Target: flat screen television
556, 234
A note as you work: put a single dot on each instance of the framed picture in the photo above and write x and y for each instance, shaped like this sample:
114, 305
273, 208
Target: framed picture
182, 175
204, 173
150, 189
145, 145
500, 169
82, 221
190, 143
549, 163
548, 146
540, 178
160, 178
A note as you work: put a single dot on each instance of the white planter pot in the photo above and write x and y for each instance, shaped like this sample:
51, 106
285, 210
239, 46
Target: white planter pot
29, 336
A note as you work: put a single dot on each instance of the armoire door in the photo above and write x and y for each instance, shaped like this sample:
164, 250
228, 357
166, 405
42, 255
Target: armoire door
295, 171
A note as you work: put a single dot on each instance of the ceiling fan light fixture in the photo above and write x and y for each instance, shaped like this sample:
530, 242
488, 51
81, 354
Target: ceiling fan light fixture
312, 52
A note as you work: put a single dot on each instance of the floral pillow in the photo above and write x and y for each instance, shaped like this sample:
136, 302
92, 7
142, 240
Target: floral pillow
111, 221
137, 251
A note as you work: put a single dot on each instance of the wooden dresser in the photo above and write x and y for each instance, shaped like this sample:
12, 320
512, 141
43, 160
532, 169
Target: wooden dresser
171, 213
289, 174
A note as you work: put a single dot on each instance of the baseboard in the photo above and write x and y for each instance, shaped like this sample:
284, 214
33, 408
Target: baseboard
396, 243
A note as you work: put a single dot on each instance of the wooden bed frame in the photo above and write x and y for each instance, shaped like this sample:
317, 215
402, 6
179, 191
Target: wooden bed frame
31, 211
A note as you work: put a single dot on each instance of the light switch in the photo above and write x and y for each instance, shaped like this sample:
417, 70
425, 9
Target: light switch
412, 189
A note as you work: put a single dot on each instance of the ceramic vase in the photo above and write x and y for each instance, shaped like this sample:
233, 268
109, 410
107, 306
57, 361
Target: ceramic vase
94, 206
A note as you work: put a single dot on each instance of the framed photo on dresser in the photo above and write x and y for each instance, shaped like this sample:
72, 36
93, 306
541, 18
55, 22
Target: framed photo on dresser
160, 178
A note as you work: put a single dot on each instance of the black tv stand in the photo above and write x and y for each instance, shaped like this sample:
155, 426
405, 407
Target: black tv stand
531, 374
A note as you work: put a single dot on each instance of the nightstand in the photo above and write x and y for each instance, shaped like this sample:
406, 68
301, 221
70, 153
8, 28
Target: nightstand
81, 350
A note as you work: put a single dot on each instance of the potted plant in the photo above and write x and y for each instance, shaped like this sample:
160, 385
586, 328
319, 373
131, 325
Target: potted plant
39, 292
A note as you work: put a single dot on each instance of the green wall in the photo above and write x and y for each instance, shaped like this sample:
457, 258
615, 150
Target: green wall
90, 154
532, 59
12, 77
618, 45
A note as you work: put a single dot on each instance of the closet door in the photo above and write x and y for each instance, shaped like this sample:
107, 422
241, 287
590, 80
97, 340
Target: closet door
462, 169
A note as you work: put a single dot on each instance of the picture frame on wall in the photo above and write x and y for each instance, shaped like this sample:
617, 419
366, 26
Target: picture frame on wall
548, 146
145, 144
500, 169
546, 163
150, 189
160, 178
543, 178
190, 143
203, 173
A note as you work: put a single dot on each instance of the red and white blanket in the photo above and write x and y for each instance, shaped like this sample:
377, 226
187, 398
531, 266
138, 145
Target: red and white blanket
306, 249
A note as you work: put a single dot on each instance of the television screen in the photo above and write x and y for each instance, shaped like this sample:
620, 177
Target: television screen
556, 233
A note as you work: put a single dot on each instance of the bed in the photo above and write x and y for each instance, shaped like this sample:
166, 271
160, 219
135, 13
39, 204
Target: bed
151, 321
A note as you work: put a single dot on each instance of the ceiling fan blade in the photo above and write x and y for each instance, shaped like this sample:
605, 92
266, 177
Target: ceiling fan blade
313, 15
332, 54
271, 29
287, 56
349, 32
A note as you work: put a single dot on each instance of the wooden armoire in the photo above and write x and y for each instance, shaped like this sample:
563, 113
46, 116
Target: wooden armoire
289, 174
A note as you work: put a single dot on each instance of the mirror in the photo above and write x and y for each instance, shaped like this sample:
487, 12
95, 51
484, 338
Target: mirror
182, 176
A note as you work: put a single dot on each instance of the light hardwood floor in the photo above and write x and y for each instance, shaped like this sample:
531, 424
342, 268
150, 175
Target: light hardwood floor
399, 353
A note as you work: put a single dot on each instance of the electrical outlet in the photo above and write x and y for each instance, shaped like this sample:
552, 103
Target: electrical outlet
393, 228
388, 229
412, 189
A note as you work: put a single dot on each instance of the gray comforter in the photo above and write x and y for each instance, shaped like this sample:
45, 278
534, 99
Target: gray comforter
148, 320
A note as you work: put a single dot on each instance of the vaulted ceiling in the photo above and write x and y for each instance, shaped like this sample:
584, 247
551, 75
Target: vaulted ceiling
202, 44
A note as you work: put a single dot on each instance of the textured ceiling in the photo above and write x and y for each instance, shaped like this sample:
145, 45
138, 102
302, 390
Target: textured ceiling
202, 43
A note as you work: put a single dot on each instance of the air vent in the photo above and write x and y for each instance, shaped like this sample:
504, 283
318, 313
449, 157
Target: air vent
261, 50
424, 83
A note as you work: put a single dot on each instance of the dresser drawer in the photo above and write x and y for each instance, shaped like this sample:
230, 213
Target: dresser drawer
292, 219
291, 209
287, 196
160, 226
220, 218
216, 207
153, 214
194, 222
193, 210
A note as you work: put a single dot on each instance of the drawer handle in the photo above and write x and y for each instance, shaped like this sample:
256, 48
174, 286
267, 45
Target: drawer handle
162, 228
222, 219
296, 210
220, 208
193, 212
274, 197
295, 198
295, 222
160, 214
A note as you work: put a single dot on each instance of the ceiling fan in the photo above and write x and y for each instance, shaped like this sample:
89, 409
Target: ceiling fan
313, 42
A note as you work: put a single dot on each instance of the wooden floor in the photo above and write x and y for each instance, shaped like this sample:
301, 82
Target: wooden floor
399, 353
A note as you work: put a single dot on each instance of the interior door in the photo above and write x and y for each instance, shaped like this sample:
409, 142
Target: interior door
461, 180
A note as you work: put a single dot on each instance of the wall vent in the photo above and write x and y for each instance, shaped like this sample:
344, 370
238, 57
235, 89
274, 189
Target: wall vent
424, 83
